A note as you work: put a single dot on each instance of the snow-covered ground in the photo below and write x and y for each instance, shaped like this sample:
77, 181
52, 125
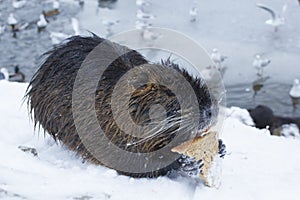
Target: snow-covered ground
257, 165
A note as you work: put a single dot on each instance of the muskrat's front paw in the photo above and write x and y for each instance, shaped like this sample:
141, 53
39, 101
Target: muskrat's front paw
222, 149
190, 165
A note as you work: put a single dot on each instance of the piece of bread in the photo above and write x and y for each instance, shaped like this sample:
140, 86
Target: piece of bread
203, 148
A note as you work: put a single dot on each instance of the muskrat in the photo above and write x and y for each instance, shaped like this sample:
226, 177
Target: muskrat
50, 100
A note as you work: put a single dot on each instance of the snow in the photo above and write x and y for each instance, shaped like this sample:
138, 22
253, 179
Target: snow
11, 20
257, 165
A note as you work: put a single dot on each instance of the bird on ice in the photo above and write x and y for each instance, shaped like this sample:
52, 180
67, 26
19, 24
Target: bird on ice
277, 19
57, 37
17, 76
54, 10
42, 23
295, 90
193, 14
55, 5
18, 3
141, 15
12, 21
75, 26
217, 57
108, 25
142, 24
260, 64
149, 35
142, 3
14, 24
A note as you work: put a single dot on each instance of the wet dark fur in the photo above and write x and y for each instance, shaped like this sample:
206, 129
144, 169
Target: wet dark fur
50, 99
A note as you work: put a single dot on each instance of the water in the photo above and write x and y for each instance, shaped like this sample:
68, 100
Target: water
236, 29
273, 94
27, 48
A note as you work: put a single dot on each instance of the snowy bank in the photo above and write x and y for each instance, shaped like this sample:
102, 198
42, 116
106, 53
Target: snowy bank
257, 165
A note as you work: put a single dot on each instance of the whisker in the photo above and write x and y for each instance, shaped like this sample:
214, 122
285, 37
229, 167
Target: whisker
184, 126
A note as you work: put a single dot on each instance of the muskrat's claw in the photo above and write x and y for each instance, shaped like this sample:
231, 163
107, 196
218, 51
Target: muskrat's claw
222, 149
190, 165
